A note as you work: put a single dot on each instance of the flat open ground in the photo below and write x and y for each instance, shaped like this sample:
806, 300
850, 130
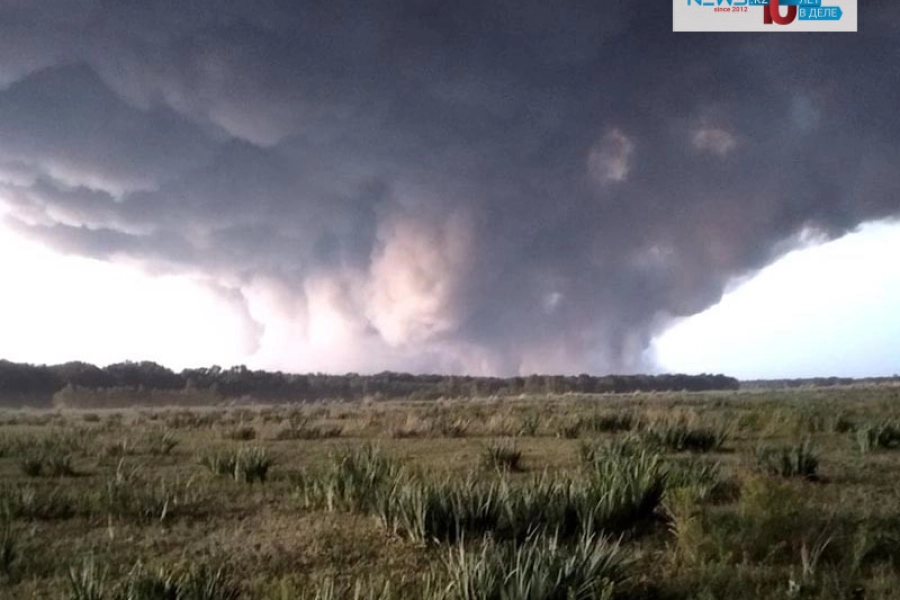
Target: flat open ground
766, 494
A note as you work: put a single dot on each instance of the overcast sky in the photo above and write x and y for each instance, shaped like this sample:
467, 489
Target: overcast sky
491, 187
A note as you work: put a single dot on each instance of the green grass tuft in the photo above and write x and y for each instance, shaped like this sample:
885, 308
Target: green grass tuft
241, 433
877, 436
252, 464
354, 480
798, 460
541, 568
680, 437
504, 456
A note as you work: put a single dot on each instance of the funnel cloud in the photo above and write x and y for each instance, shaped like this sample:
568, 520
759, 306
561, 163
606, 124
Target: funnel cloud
496, 187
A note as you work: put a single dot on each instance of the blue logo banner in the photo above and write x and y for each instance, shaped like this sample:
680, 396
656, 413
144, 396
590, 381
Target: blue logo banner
800, 3
823, 13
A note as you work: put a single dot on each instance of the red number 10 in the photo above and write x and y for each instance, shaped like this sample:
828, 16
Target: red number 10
773, 13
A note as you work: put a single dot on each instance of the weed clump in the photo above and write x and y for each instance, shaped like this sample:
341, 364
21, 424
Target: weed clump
700, 480
450, 428
221, 462
60, 465
539, 569
530, 425
37, 503
877, 436
502, 456
603, 422
354, 480
31, 465
615, 496
128, 494
195, 582
161, 442
569, 431
680, 437
87, 582
593, 454
9, 547
51, 462
120, 448
247, 465
241, 433
308, 433
798, 460
252, 464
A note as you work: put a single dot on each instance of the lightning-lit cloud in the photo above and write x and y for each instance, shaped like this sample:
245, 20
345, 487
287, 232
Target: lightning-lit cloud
495, 187
417, 284
715, 140
610, 159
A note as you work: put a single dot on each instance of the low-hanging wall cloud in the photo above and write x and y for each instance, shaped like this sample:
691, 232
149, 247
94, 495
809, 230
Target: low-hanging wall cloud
488, 187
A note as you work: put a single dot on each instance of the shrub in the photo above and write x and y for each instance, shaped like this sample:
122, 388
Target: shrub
798, 460
503, 456
539, 569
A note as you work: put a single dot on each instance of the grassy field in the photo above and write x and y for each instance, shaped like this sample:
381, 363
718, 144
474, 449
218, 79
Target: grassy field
754, 494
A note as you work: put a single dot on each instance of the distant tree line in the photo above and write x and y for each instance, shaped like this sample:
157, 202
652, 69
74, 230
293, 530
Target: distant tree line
774, 384
26, 384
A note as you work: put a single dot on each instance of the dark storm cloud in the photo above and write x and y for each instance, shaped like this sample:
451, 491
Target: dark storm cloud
69, 122
490, 186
